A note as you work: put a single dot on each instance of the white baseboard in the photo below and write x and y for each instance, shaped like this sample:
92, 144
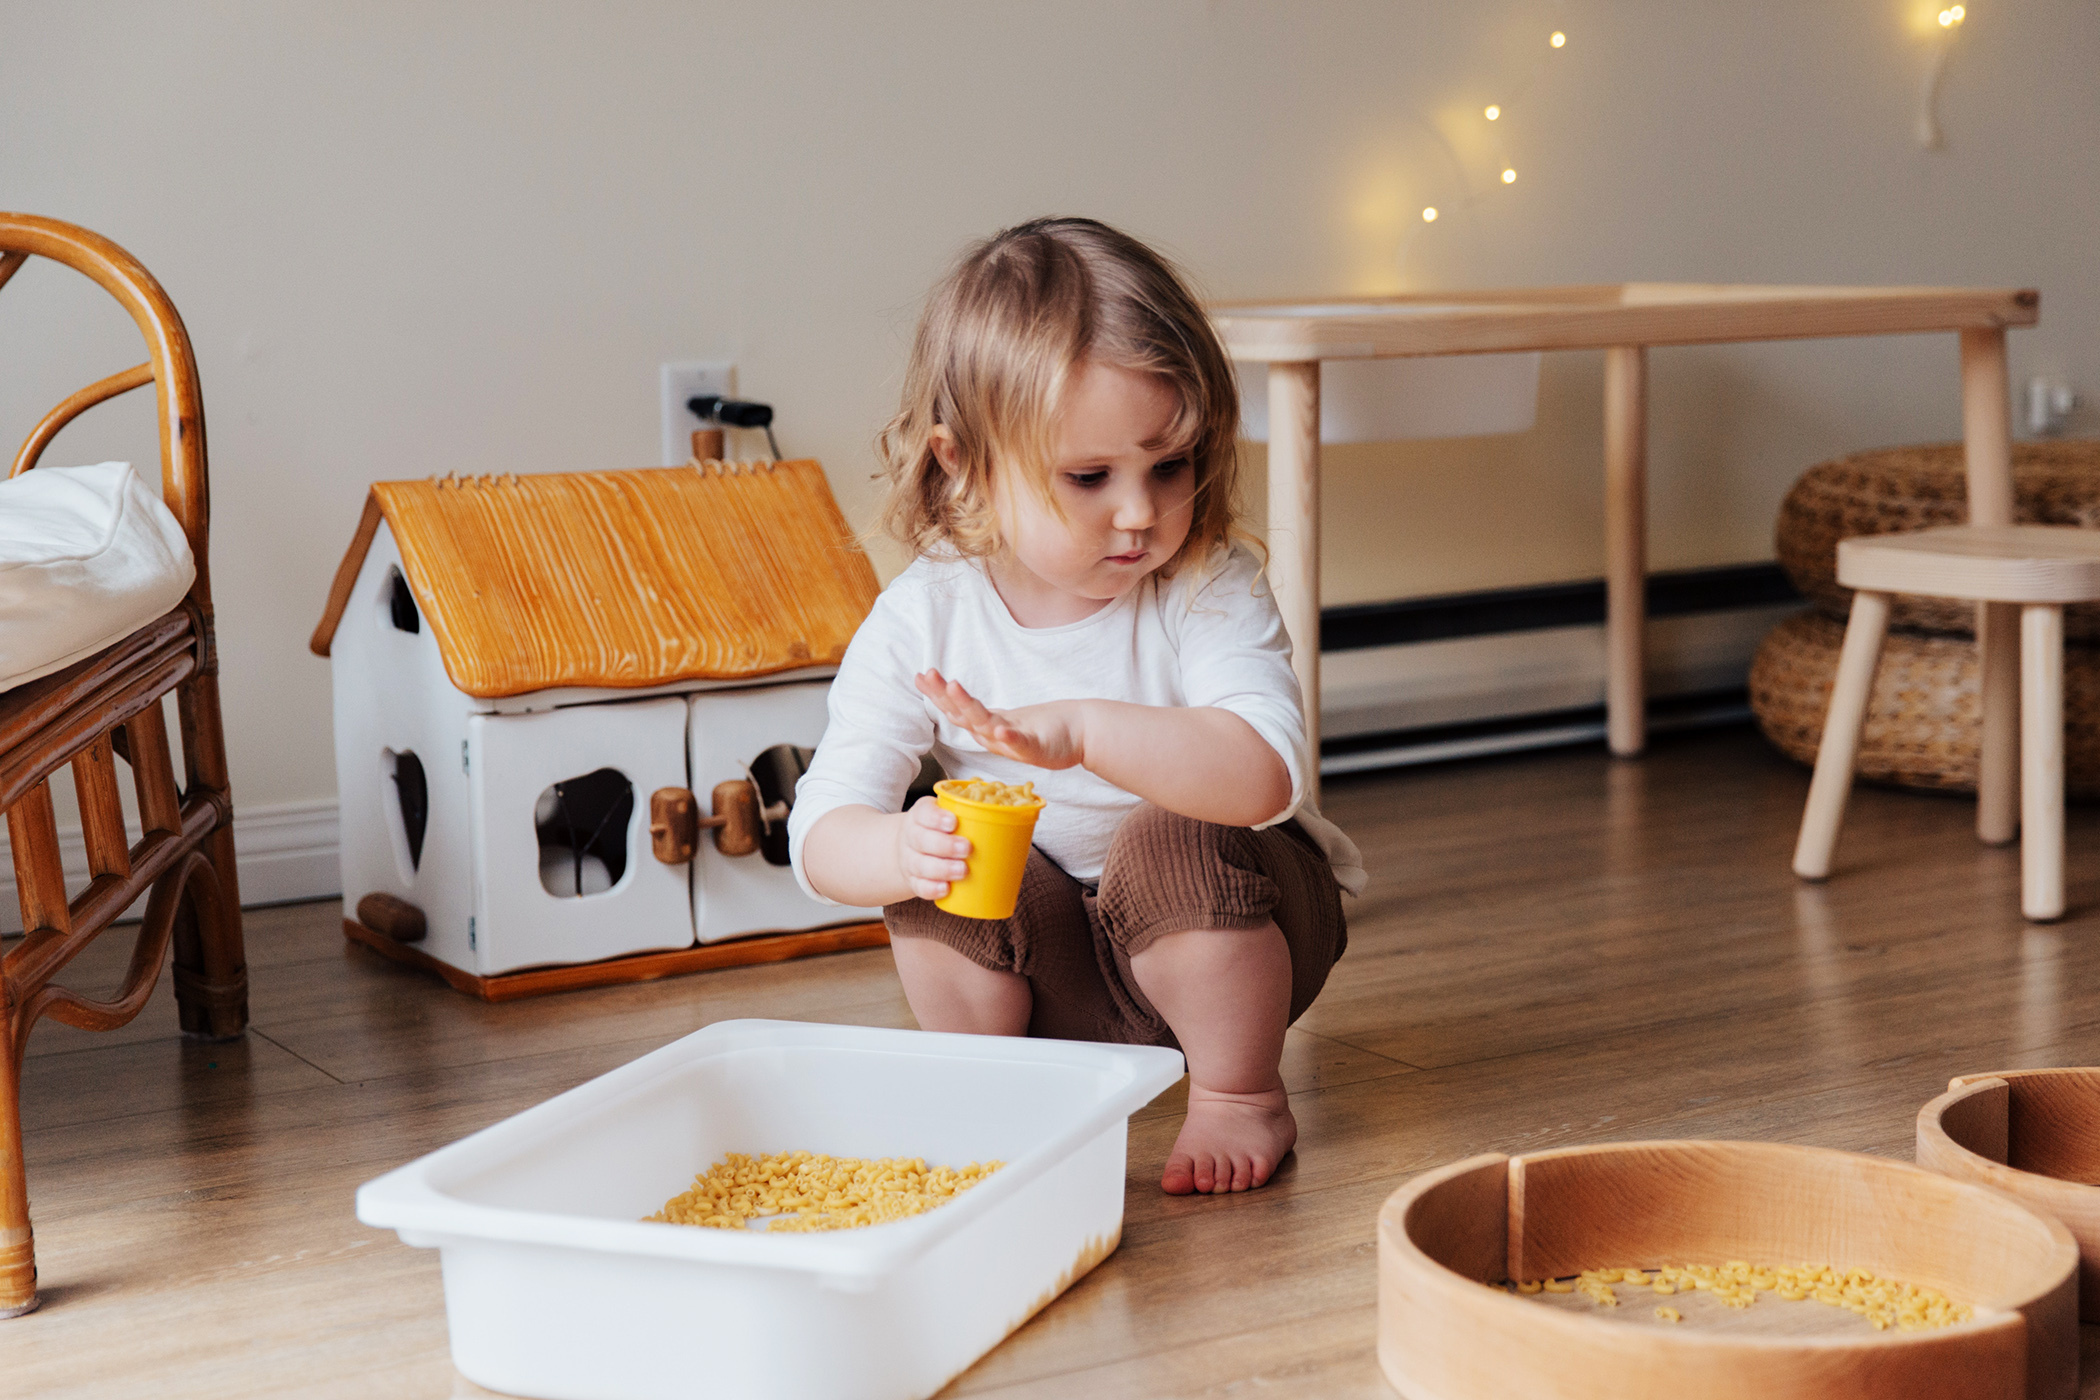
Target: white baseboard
1427, 685
286, 851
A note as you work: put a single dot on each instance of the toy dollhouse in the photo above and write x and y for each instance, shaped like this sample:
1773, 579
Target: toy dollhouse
533, 677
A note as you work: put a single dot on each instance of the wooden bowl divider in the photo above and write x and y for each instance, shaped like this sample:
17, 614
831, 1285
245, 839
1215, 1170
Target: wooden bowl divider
1443, 1336
2035, 1135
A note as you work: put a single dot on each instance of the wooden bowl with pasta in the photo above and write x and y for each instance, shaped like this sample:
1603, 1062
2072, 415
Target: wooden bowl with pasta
1735, 1271
2035, 1135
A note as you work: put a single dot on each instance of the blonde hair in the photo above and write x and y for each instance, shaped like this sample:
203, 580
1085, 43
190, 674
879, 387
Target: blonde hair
1001, 336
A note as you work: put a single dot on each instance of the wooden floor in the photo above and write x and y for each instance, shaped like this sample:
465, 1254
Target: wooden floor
1554, 949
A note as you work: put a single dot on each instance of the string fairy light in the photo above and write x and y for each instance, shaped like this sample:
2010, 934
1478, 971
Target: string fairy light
1506, 173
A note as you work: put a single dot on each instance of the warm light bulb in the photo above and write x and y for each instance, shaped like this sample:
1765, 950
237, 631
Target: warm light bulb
1559, 39
1493, 113
1952, 16
1509, 177
1429, 215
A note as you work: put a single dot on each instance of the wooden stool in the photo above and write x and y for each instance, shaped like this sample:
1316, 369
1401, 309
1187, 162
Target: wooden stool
2038, 568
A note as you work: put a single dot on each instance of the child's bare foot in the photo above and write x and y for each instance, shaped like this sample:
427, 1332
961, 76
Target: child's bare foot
1229, 1142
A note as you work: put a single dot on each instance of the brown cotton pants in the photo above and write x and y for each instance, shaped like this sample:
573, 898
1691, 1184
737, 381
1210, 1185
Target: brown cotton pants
1164, 874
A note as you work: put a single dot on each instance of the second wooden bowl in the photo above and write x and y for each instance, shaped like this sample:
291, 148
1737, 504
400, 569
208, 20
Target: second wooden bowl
1444, 1239
2035, 1135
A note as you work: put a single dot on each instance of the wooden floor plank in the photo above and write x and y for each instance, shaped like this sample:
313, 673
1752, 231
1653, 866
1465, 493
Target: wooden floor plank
1554, 949
1328, 1356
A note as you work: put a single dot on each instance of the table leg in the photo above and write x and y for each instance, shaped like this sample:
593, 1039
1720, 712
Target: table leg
1986, 412
1294, 534
1625, 547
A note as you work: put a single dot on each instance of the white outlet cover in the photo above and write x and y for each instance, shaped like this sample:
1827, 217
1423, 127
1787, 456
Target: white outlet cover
680, 382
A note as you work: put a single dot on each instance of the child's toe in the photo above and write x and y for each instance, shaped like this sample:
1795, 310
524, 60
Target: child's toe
1179, 1178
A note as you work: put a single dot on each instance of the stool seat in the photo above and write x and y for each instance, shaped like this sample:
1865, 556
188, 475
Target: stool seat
1987, 563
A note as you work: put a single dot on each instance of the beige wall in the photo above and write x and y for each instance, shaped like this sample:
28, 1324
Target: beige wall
413, 238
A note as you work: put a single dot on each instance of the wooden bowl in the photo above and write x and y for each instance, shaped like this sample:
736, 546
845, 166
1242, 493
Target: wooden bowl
2035, 1135
1442, 1335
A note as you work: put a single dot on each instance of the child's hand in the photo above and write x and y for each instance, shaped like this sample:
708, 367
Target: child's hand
929, 853
1047, 736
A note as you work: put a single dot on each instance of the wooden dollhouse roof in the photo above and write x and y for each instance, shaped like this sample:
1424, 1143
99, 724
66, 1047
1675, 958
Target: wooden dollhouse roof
635, 578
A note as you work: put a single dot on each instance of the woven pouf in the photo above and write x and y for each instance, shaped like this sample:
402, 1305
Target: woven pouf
1924, 721
1894, 490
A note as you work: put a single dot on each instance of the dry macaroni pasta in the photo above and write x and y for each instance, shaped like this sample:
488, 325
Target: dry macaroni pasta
992, 794
1882, 1302
805, 1191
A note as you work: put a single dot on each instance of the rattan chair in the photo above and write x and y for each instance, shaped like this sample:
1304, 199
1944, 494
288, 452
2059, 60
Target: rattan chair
90, 715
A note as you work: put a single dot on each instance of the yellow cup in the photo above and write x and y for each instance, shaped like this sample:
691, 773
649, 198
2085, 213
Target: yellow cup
998, 837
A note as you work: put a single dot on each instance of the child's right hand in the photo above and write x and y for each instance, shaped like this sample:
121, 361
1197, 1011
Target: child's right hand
930, 855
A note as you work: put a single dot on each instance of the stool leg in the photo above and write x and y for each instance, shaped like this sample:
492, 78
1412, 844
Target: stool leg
1839, 750
2042, 761
1998, 763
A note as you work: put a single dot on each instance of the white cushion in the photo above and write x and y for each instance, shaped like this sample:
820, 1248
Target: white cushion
88, 555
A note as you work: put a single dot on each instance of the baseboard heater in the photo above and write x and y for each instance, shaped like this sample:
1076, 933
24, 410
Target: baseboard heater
1426, 680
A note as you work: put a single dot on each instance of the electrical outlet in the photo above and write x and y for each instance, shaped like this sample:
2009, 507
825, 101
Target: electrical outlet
2049, 405
682, 381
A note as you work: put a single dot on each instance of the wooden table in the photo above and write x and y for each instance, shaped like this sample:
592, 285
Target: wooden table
1623, 320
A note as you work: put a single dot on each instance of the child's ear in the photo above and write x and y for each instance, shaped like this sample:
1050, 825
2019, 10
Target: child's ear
946, 450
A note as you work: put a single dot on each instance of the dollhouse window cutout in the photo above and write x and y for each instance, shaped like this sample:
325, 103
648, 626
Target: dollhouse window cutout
776, 771
411, 808
401, 604
583, 827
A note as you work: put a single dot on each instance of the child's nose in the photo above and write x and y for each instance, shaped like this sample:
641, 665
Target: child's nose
1136, 510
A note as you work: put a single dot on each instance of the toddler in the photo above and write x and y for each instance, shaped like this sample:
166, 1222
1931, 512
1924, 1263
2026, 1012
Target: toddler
1079, 615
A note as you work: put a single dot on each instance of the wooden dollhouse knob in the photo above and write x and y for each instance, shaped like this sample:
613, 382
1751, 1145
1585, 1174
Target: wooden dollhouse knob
736, 820
674, 826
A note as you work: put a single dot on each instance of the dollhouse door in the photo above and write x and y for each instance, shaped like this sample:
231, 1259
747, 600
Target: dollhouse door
765, 734
559, 815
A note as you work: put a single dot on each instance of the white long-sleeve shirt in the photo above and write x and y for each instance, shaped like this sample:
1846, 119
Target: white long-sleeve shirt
1215, 640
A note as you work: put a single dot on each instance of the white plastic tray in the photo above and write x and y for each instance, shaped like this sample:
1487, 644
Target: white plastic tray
556, 1288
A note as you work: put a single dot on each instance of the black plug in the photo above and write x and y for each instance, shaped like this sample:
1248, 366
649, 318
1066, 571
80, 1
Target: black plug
737, 413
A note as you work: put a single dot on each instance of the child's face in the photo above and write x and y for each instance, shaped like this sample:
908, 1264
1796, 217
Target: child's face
1127, 506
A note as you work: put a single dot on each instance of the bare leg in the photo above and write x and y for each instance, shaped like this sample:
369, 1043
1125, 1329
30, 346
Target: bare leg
1227, 995
948, 992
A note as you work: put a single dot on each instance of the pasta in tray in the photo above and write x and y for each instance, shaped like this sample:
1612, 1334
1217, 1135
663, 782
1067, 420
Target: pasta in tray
799, 1192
